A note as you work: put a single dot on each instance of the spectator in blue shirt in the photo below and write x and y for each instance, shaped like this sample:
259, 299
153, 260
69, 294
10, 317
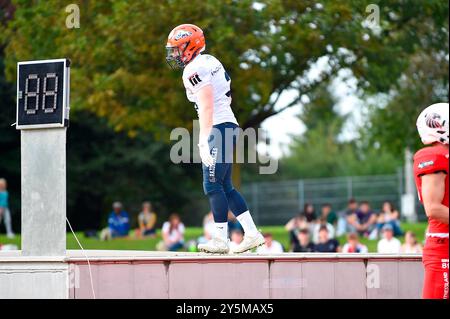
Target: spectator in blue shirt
363, 220
118, 223
5, 213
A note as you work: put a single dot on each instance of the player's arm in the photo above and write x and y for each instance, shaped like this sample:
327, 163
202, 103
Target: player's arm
205, 98
433, 191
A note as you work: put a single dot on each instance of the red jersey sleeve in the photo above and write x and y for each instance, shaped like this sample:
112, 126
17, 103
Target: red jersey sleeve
429, 161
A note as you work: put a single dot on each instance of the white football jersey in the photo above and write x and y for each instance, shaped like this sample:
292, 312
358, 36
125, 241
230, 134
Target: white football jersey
203, 70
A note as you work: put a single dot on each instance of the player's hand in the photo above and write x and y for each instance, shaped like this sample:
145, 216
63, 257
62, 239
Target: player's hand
205, 153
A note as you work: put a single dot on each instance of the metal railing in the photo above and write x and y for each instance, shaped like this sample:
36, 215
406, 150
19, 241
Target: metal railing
274, 203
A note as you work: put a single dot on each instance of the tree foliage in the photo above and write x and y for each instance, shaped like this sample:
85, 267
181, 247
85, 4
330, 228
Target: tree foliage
393, 124
119, 71
321, 153
122, 87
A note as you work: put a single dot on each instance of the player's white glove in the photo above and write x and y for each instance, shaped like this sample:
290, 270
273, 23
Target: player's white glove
205, 153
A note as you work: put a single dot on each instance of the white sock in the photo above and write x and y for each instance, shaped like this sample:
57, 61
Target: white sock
222, 231
246, 220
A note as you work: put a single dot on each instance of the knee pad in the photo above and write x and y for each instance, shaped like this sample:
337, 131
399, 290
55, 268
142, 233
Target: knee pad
212, 187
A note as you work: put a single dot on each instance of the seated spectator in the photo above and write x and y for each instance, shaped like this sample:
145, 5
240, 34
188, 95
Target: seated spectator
5, 213
208, 228
236, 237
389, 215
173, 234
309, 213
411, 246
316, 228
297, 222
271, 246
233, 223
293, 227
325, 244
363, 221
343, 226
118, 223
353, 245
147, 221
303, 242
328, 213
389, 244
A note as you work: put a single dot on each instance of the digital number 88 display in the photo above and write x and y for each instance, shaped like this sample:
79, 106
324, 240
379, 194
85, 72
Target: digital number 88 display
47, 93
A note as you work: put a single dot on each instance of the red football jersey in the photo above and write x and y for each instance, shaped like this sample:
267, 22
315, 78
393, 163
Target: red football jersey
427, 161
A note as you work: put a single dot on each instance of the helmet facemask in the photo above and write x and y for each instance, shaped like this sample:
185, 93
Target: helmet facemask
174, 57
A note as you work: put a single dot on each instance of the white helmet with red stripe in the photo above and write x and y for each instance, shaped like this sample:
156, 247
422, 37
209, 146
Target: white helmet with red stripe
432, 124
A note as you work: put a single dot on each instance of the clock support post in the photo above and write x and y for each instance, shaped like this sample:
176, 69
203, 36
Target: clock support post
41, 270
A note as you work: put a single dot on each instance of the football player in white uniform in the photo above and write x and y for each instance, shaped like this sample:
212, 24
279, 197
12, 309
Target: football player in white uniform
208, 86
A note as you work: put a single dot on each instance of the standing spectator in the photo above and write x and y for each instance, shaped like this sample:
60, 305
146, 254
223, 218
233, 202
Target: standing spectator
173, 233
309, 213
294, 226
389, 244
411, 246
342, 224
303, 242
353, 245
5, 213
389, 215
271, 246
328, 213
237, 236
118, 223
363, 221
325, 244
316, 229
147, 221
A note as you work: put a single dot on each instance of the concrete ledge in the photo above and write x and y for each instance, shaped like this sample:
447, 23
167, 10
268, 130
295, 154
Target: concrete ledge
37, 279
129, 255
145, 274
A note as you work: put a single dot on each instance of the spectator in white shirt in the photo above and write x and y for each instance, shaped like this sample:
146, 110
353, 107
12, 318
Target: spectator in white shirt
173, 233
389, 244
353, 245
271, 246
411, 246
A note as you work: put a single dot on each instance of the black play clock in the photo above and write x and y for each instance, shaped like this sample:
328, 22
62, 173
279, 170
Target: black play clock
43, 89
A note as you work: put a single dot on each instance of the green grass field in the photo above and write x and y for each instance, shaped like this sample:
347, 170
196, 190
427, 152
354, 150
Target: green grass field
194, 232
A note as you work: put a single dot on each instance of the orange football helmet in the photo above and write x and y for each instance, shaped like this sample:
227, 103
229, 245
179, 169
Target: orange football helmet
184, 43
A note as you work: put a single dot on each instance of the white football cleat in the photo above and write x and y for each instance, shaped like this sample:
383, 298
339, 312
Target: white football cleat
215, 246
249, 243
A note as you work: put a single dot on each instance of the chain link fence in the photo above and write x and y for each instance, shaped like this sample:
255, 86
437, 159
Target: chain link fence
274, 203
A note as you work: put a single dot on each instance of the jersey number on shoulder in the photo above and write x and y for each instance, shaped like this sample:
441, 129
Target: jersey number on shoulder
194, 79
